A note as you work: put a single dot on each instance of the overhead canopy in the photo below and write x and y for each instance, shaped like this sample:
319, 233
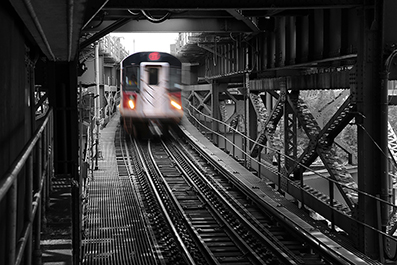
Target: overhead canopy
57, 25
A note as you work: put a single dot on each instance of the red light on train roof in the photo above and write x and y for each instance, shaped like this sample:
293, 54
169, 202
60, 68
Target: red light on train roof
154, 56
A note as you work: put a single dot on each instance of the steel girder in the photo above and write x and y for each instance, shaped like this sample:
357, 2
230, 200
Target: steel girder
233, 4
328, 50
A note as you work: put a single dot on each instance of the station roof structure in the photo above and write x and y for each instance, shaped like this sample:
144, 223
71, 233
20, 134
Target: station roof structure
87, 21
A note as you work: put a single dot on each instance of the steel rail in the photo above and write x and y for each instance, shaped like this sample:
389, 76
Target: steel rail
162, 206
209, 225
193, 231
265, 237
313, 240
225, 202
127, 161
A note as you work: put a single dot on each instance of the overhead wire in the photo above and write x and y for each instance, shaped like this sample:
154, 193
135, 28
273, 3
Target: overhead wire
149, 17
132, 13
155, 20
373, 140
100, 22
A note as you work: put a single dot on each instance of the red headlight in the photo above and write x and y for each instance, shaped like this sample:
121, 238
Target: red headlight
176, 104
175, 100
129, 101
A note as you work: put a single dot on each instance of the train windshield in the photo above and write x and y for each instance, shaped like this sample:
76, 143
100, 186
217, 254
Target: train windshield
130, 78
175, 79
153, 76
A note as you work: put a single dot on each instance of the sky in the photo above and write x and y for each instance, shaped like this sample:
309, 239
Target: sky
138, 42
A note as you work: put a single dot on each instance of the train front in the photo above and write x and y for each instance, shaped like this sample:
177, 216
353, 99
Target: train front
151, 91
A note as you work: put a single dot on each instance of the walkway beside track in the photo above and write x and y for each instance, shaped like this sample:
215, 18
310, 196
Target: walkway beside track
108, 224
114, 221
56, 242
101, 217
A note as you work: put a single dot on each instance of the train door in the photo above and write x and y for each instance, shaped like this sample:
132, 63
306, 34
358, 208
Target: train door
154, 83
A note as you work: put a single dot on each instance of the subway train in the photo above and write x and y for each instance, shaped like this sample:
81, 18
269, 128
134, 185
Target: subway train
150, 98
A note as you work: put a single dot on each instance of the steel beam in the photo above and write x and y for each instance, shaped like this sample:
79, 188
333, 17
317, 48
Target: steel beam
176, 25
233, 4
103, 32
290, 39
92, 9
63, 99
316, 35
239, 16
371, 100
333, 33
213, 51
302, 44
280, 41
290, 130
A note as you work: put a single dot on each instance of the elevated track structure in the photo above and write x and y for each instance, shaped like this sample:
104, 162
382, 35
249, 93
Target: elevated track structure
257, 72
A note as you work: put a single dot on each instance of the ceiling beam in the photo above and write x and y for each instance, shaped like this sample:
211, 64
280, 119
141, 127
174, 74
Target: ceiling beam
249, 22
178, 25
104, 32
205, 47
232, 4
27, 13
55, 25
92, 9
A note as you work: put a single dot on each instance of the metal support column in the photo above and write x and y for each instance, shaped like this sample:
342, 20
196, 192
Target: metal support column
280, 41
247, 120
216, 114
97, 103
217, 89
372, 129
290, 130
63, 98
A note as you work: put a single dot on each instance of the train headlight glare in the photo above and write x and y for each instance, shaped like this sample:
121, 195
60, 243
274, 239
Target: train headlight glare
131, 104
176, 105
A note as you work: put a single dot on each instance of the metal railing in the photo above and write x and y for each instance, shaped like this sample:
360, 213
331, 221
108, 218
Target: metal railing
224, 136
229, 139
35, 164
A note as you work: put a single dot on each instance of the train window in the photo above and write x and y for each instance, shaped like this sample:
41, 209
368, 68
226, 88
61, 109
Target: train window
153, 76
175, 79
130, 78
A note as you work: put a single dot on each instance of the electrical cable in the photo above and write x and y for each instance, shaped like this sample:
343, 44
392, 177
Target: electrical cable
132, 13
156, 20
372, 139
100, 22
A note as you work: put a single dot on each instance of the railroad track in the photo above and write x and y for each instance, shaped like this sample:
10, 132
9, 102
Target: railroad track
214, 215
265, 239
166, 247
183, 211
214, 232
300, 248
